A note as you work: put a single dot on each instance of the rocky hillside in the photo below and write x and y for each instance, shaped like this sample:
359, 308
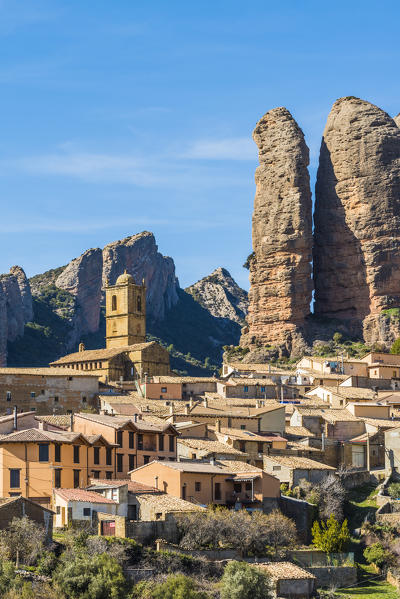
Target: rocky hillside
66, 304
221, 296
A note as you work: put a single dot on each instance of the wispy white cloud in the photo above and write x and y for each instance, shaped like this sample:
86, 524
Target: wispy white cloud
236, 148
169, 168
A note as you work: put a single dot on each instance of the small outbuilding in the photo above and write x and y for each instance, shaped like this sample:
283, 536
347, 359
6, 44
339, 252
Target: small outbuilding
290, 580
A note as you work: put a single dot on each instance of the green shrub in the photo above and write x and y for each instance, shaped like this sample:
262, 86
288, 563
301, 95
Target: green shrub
394, 490
330, 536
177, 586
376, 554
242, 581
395, 349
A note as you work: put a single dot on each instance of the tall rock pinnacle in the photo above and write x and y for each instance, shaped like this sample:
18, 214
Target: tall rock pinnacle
280, 270
357, 216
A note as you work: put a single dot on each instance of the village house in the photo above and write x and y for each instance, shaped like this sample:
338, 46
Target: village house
201, 449
79, 505
289, 580
230, 483
177, 387
137, 441
255, 388
36, 461
20, 507
392, 451
46, 390
293, 469
258, 371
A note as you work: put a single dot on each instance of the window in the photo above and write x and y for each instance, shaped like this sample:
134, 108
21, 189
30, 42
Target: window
108, 456
184, 492
246, 389
87, 511
57, 452
163, 389
171, 443
131, 440
76, 454
119, 438
15, 478
114, 302
158, 515
140, 441
43, 452
131, 462
262, 389
33, 395
161, 442
197, 487
8, 396
120, 458
84, 399
139, 304
58, 510
217, 491
237, 487
108, 475
260, 447
243, 427
56, 399
96, 473
276, 467
76, 478
146, 459
96, 455
242, 446
57, 478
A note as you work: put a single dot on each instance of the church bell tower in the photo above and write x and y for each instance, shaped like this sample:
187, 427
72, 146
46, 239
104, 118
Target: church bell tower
125, 312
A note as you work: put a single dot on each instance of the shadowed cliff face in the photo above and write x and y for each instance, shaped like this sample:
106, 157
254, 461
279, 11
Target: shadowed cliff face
280, 271
15, 308
357, 215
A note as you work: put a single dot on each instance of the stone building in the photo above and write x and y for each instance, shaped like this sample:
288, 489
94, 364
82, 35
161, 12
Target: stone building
46, 390
127, 355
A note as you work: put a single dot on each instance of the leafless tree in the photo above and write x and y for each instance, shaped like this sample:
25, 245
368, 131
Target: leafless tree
22, 541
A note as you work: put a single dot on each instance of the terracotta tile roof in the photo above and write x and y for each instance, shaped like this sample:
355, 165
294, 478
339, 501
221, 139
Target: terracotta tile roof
298, 462
381, 422
82, 495
336, 415
168, 503
298, 431
285, 571
184, 379
249, 381
237, 433
269, 368
48, 371
219, 467
60, 420
208, 446
100, 354
113, 421
20, 415
133, 485
35, 435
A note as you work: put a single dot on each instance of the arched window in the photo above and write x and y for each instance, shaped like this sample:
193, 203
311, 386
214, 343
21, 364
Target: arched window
114, 302
139, 303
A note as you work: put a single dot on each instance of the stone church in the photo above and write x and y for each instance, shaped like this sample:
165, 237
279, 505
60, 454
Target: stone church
127, 356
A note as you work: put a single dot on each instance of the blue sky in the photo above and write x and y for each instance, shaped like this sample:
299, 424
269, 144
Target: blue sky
125, 116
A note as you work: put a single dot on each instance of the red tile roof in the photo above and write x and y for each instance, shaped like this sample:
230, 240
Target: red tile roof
82, 495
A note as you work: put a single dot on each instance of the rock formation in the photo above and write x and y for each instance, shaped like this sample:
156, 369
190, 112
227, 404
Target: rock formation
15, 308
397, 120
83, 279
139, 256
221, 296
280, 271
357, 216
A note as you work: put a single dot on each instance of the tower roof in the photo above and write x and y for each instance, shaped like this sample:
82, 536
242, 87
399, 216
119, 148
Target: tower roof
124, 278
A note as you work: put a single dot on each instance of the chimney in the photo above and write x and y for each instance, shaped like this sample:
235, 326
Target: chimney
212, 461
218, 426
191, 402
135, 418
257, 403
41, 425
15, 414
71, 422
187, 410
205, 402
81, 347
171, 408
156, 482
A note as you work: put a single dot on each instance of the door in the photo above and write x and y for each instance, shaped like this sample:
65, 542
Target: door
184, 492
108, 528
358, 456
63, 521
217, 491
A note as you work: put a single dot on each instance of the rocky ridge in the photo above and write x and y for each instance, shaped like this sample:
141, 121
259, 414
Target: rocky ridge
221, 296
357, 217
280, 271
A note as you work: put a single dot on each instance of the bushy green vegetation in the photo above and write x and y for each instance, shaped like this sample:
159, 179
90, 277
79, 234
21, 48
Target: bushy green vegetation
394, 490
395, 349
330, 536
377, 554
242, 581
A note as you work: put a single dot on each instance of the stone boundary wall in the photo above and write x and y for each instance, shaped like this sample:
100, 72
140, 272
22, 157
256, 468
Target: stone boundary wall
338, 576
303, 514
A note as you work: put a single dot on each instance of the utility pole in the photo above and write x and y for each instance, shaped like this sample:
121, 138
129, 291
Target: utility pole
368, 458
